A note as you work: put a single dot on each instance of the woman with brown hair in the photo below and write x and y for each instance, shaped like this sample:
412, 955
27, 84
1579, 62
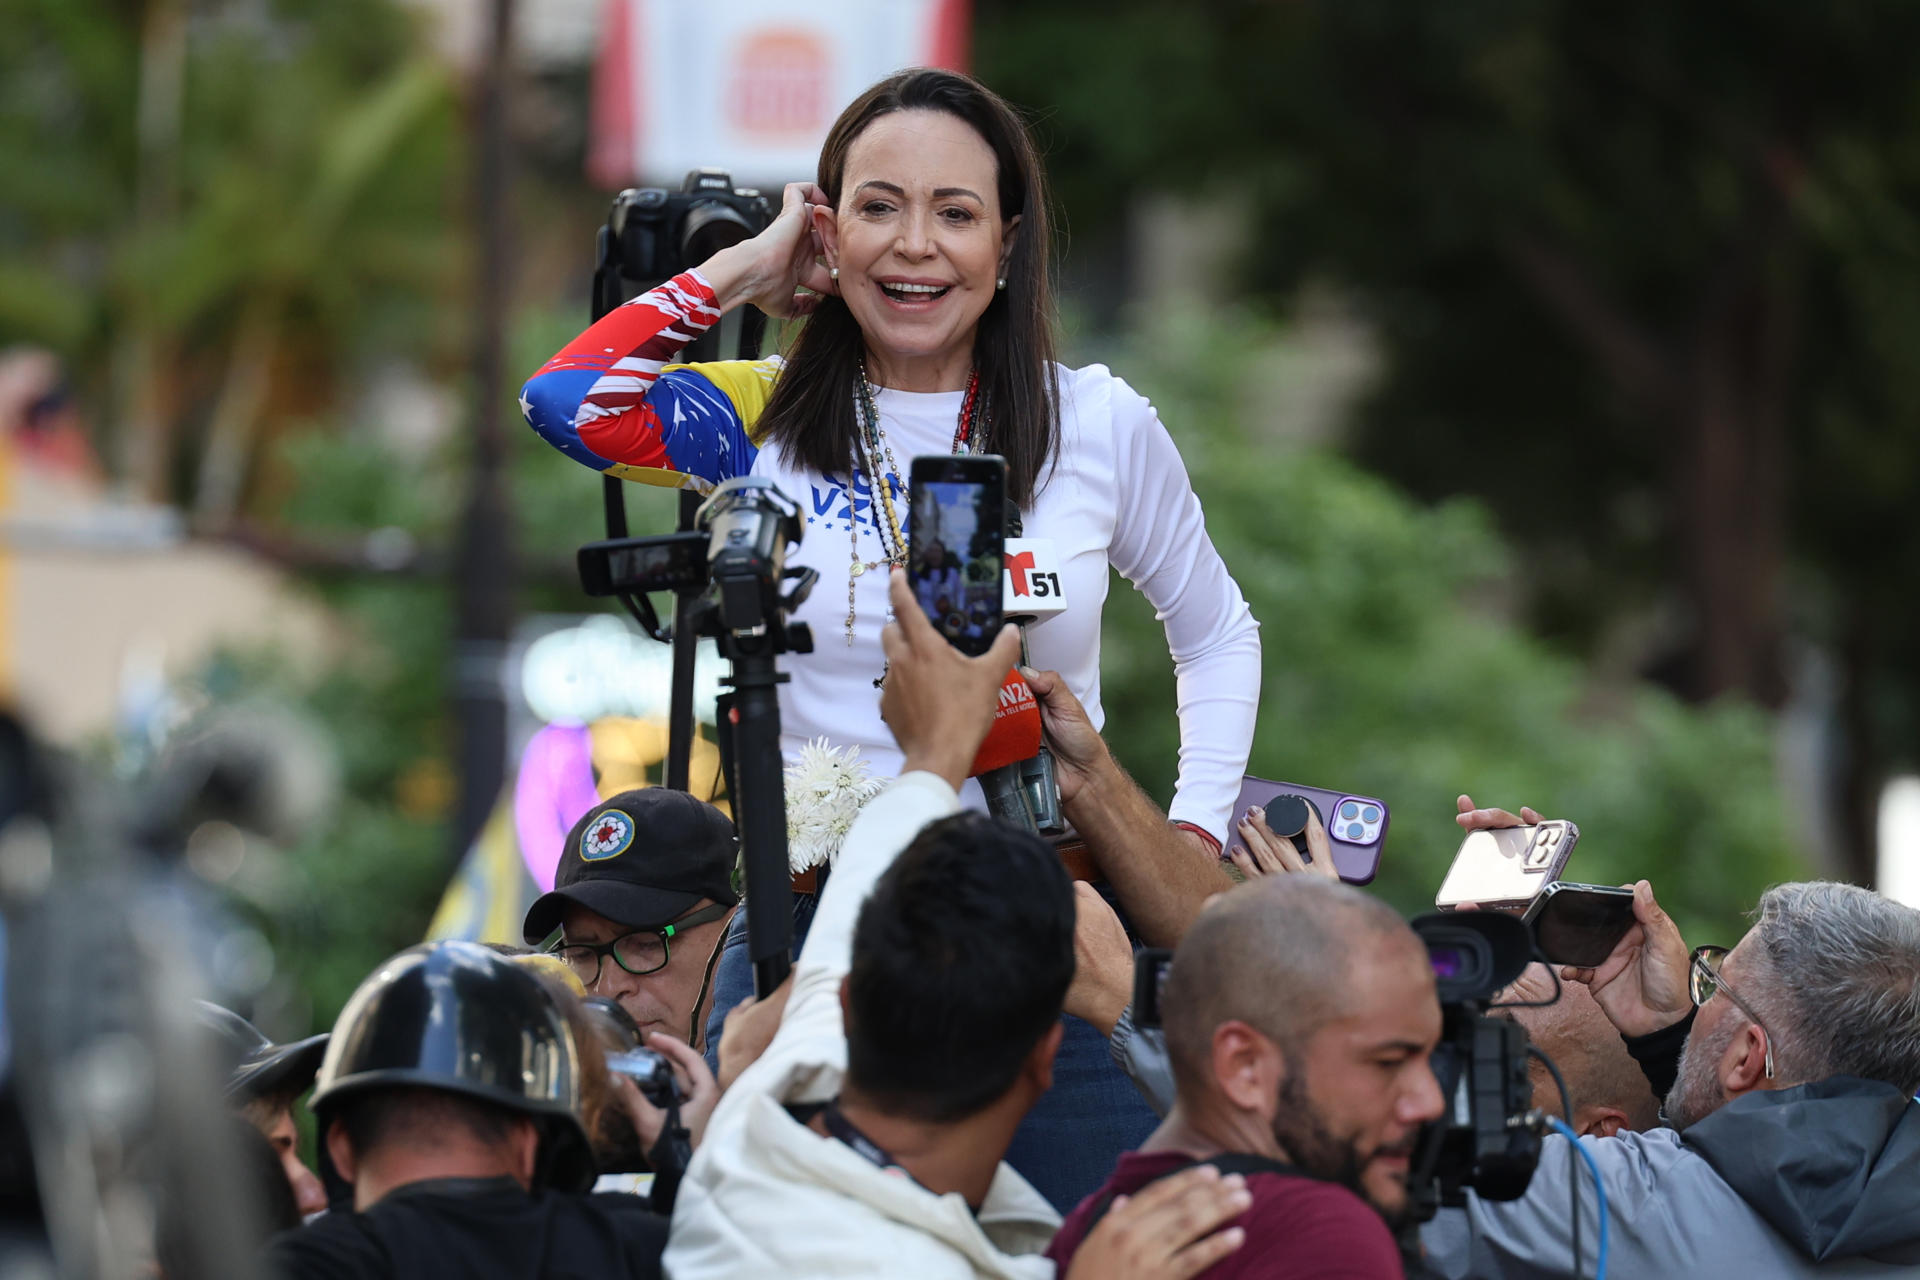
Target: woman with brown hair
921, 258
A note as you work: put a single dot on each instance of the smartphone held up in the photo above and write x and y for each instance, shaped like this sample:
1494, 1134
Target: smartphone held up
1517, 870
1505, 868
1356, 825
956, 535
1580, 924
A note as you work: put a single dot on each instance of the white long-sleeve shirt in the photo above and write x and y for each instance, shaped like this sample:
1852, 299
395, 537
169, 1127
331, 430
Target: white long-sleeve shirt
1118, 495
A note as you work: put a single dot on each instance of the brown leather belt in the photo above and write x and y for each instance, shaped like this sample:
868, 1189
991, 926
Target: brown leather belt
1079, 861
1073, 853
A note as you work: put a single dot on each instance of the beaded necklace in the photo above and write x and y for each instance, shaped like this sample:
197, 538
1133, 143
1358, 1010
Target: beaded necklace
869, 448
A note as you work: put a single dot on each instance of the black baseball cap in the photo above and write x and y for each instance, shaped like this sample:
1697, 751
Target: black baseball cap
255, 1065
642, 858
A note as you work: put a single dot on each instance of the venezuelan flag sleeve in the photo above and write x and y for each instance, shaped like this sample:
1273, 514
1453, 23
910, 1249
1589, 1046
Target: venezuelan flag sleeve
611, 399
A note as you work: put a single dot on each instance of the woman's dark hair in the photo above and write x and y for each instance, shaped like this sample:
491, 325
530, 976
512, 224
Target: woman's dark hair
811, 414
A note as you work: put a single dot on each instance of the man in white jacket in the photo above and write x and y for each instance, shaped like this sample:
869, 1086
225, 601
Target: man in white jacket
949, 983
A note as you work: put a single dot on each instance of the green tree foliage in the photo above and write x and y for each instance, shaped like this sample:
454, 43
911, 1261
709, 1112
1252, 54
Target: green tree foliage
1643, 275
215, 210
1392, 670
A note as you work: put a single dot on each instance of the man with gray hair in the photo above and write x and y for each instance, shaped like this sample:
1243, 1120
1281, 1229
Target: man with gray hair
1795, 1147
1299, 1014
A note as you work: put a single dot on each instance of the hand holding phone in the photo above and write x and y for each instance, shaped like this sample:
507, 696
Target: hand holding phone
1580, 924
1356, 825
1299, 844
1506, 868
956, 536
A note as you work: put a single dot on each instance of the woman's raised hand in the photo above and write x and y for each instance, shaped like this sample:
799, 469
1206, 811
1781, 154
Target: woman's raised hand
780, 270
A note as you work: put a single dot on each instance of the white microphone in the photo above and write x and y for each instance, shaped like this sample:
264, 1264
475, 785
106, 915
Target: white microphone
1030, 587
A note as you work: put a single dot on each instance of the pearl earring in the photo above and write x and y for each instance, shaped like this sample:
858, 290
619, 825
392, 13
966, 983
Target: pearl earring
834, 274
1001, 283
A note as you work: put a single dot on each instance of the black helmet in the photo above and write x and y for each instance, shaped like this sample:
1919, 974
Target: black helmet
255, 1065
460, 1017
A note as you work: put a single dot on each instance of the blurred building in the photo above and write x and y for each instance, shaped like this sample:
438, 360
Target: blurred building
103, 600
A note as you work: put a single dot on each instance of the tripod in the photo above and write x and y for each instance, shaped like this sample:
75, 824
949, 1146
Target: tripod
744, 611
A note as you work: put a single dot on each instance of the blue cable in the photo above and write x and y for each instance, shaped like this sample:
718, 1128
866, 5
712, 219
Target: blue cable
1565, 1130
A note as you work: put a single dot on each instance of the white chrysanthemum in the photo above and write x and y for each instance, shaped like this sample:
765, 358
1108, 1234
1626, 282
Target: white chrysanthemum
826, 789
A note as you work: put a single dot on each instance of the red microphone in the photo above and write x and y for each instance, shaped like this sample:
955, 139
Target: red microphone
1015, 734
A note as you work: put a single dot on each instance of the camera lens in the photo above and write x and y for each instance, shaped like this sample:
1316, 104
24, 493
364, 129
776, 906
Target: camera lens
1371, 814
1356, 832
1349, 810
710, 226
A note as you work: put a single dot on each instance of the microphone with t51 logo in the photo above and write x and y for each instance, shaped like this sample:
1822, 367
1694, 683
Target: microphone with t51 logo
1014, 768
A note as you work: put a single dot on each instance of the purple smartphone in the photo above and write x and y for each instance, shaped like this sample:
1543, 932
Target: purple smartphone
1356, 825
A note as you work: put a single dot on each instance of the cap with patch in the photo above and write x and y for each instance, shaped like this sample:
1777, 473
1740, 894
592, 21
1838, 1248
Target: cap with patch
642, 858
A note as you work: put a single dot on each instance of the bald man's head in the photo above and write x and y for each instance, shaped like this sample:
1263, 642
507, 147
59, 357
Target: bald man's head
1610, 1092
1301, 1015
1273, 953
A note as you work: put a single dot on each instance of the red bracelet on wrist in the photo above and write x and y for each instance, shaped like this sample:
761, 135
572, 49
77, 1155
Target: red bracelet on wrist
1203, 833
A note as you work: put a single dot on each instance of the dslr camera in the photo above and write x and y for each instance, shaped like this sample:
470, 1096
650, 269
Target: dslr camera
659, 233
626, 1056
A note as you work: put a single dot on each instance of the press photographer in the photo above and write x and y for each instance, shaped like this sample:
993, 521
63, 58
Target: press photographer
641, 899
1788, 1066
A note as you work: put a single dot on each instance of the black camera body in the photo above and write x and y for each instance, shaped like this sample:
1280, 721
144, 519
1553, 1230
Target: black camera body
636, 566
736, 557
659, 233
651, 1072
750, 524
1488, 1139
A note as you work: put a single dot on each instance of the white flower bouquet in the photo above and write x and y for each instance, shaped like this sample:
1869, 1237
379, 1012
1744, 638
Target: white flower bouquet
826, 789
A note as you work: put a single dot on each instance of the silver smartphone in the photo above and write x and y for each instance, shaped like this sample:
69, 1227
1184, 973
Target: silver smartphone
1505, 869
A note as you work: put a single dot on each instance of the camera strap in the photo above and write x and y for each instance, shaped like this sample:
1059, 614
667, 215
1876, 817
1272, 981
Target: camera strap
846, 1131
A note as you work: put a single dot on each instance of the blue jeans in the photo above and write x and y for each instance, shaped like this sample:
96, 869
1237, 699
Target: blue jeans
1072, 1138
733, 976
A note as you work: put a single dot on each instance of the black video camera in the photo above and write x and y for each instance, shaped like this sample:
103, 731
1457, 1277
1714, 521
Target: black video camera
740, 546
660, 233
1488, 1139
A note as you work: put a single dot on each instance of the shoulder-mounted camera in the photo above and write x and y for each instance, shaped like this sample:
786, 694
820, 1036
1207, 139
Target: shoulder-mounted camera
1488, 1139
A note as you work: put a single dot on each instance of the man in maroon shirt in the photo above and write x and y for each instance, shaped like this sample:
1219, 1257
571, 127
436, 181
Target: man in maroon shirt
1299, 1016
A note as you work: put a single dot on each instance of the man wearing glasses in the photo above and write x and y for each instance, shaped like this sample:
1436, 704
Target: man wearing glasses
1795, 1144
641, 898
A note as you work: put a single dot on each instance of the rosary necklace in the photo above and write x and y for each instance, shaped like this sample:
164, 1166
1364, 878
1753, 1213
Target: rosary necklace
870, 447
